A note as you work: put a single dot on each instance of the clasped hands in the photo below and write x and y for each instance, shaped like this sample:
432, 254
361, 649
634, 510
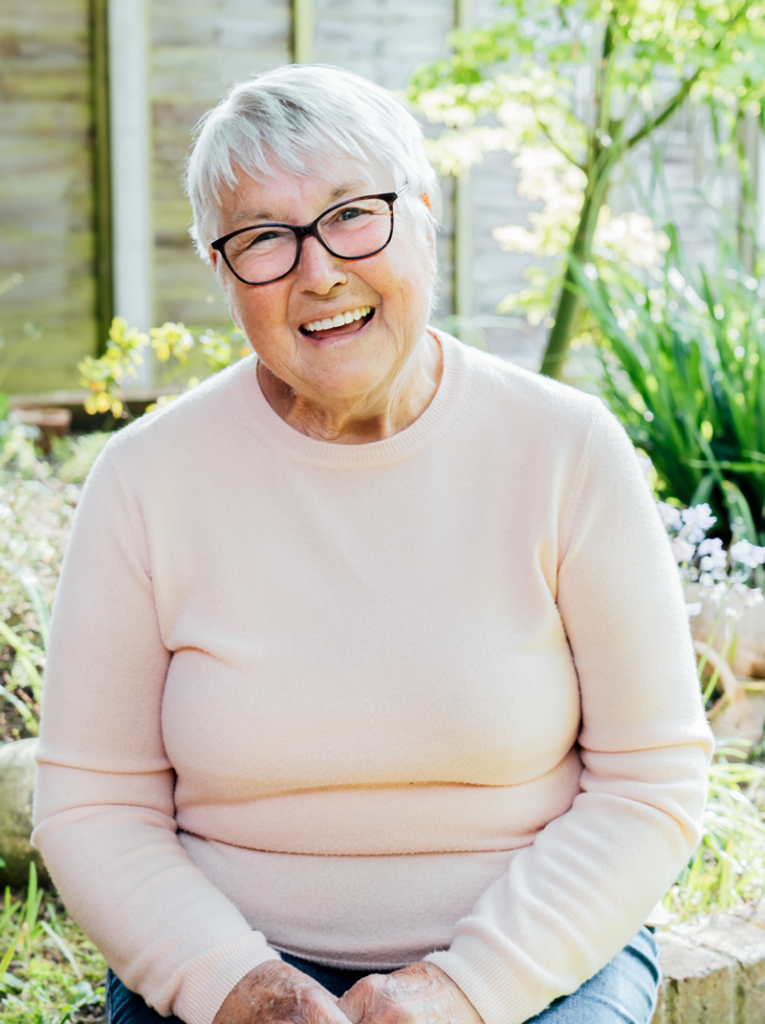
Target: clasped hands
277, 993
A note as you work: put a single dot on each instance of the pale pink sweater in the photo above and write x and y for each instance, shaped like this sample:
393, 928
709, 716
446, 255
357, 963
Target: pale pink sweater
432, 695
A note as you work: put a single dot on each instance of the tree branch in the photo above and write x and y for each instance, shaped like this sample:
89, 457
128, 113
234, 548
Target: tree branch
551, 140
650, 126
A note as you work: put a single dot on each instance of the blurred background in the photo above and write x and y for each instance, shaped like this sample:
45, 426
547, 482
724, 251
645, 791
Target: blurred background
98, 99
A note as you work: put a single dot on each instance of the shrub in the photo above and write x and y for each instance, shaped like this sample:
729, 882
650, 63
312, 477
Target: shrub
681, 361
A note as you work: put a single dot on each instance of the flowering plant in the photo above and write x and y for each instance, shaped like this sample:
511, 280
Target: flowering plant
109, 376
724, 575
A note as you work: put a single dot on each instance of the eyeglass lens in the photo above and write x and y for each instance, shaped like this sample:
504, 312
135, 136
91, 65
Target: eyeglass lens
358, 229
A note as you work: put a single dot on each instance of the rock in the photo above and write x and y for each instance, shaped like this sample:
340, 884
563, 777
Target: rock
699, 983
714, 969
17, 784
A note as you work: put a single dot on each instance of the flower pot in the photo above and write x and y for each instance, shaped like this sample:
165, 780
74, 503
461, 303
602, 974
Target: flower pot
17, 785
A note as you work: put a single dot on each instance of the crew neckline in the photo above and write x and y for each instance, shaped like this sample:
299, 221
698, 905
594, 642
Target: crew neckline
272, 430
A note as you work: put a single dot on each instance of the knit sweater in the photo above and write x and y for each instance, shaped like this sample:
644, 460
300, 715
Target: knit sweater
429, 697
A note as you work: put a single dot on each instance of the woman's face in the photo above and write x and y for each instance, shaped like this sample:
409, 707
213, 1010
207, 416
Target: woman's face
365, 357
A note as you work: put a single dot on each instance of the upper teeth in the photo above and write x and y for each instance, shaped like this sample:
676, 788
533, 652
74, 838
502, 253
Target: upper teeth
339, 320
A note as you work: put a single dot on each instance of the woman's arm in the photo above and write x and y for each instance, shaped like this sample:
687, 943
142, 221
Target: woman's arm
104, 806
574, 898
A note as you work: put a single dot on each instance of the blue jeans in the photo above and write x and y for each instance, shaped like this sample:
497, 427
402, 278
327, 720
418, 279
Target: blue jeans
623, 992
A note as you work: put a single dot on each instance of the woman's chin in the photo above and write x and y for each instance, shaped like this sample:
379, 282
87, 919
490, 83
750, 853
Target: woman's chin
347, 366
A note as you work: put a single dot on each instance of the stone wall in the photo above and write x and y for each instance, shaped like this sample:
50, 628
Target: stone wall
714, 969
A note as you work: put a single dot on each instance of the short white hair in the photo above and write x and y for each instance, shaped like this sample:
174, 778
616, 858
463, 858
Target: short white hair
293, 119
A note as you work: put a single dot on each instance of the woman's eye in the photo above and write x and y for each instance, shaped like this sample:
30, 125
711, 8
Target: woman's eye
351, 213
264, 236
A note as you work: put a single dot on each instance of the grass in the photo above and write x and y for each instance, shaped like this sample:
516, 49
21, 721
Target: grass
728, 868
49, 972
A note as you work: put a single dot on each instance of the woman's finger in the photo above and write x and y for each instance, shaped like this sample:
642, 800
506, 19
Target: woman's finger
419, 994
316, 1006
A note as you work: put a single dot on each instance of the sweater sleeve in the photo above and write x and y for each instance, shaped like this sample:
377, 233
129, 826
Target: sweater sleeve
573, 898
104, 810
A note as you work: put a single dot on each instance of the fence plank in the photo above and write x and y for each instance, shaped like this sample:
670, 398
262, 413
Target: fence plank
46, 197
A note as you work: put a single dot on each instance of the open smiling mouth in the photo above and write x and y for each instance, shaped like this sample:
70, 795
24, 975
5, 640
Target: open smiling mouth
349, 322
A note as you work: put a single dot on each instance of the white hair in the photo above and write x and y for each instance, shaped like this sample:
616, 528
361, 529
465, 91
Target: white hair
294, 119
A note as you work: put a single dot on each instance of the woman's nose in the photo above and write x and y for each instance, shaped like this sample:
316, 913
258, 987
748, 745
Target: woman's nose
318, 270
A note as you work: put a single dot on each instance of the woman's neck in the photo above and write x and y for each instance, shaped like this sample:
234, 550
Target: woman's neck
360, 419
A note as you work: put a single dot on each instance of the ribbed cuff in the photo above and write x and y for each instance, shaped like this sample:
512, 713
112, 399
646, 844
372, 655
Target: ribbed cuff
211, 977
486, 980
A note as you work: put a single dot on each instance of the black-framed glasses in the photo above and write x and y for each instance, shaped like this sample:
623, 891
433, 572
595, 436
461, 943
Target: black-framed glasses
352, 230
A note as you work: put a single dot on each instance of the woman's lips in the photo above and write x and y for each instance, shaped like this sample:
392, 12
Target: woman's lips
338, 332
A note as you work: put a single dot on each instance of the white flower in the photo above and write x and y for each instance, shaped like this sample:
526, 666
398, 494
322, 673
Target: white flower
682, 550
748, 554
700, 518
710, 545
693, 608
754, 598
714, 560
670, 515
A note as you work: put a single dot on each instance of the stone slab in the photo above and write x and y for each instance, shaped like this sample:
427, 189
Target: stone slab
699, 984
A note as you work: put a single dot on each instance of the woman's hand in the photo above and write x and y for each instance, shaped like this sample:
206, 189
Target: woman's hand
276, 993
418, 994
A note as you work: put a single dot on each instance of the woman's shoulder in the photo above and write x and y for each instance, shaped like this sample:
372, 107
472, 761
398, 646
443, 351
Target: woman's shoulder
194, 426
511, 397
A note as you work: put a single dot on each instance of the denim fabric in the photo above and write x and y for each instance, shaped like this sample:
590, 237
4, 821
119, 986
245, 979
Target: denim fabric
624, 992
126, 1007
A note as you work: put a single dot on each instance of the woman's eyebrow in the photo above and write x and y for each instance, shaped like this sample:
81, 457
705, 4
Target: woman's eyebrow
267, 216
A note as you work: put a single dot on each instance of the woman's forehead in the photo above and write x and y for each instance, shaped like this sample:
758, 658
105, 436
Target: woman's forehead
298, 198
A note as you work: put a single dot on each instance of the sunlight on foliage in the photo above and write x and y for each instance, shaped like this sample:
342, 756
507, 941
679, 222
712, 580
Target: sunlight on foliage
109, 377
49, 972
728, 868
680, 359
577, 87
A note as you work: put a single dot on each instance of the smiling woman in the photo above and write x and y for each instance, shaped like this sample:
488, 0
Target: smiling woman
330, 370
348, 714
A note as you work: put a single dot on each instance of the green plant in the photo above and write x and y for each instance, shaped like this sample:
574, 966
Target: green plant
729, 865
109, 376
49, 972
38, 496
681, 361
513, 86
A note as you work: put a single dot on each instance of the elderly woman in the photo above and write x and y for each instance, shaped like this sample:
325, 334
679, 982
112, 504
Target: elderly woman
370, 695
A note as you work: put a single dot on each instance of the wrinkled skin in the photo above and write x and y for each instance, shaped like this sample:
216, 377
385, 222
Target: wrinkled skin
418, 994
276, 993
